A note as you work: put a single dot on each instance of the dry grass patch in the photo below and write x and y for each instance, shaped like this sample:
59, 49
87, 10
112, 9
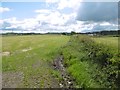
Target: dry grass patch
6, 53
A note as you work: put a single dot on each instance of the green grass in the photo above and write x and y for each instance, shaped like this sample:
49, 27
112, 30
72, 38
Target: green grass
75, 60
111, 42
85, 59
34, 63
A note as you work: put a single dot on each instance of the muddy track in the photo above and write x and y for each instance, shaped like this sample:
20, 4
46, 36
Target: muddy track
67, 81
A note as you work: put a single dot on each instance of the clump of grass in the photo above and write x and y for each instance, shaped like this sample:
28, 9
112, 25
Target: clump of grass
56, 74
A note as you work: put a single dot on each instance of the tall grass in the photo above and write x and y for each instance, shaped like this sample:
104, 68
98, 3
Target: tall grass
91, 64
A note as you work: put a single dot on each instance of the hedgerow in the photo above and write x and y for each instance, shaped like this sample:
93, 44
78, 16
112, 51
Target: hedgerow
91, 64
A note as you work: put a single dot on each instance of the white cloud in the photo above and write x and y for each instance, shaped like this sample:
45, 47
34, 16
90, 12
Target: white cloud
51, 1
105, 24
12, 20
98, 26
4, 9
23, 24
1, 22
55, 20
43, 11
47, 19
54, 17
29, 23
62, 4
57, 25
69, 4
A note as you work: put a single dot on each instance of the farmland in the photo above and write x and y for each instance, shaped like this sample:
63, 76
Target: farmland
27, 61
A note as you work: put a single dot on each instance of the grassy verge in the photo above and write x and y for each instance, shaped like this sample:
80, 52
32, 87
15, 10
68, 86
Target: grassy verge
90, 63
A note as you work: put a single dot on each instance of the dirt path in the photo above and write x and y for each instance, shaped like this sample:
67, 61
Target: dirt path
11, 79
66, 82
30, 79
15, 79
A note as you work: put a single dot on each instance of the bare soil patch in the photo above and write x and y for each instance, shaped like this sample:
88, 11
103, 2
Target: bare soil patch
11, 79
67, 81
27, 49
6, 53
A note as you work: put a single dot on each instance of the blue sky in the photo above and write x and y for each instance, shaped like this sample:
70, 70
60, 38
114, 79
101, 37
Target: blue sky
58, 16
22, 10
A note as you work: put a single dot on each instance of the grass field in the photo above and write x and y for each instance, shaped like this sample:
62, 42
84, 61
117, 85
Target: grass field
26, 60
110, 42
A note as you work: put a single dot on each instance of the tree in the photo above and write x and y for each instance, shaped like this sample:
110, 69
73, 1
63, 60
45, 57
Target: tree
73, 32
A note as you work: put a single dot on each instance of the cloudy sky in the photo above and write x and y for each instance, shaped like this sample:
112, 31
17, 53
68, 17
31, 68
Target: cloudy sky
58, 16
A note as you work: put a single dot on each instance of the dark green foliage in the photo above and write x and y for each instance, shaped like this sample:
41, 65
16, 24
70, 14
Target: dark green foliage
91, 64
72, 32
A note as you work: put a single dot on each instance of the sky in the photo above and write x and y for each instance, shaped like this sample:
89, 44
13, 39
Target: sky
58, 16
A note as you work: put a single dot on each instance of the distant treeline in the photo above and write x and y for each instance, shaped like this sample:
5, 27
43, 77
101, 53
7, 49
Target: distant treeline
116, 33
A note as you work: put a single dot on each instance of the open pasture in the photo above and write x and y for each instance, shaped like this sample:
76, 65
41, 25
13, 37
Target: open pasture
26, 60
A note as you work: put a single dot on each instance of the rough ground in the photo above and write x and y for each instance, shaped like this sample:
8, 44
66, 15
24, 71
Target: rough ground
26, 49
67, 81
14, 79
11, 79
6, 53
33, 79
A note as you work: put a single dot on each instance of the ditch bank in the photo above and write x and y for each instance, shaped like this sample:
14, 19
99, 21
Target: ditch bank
66, 81
87, 64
